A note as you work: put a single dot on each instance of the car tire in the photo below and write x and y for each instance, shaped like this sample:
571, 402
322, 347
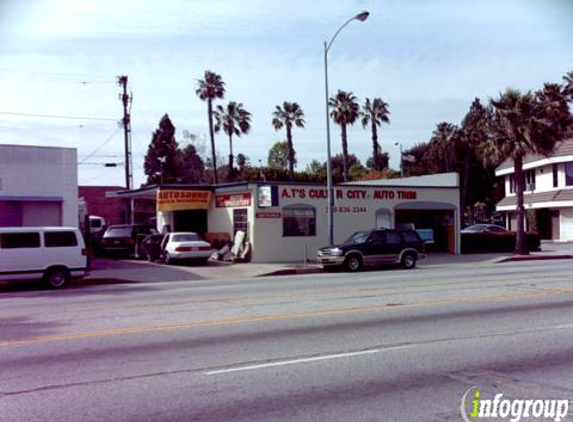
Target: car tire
353, 263
168, 259
408, 261
57, 278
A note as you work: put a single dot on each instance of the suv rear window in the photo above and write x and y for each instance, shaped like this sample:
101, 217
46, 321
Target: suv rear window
19, 240
60, 239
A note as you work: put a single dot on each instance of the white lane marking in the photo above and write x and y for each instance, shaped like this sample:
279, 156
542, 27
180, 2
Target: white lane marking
561, 327
304, 360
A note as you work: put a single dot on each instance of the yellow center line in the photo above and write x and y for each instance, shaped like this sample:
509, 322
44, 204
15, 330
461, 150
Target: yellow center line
286, 295
281, 316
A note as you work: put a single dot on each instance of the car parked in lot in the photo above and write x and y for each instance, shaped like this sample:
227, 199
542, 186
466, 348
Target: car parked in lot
185, 245
52, 254
374, 247
484, 228
122, 239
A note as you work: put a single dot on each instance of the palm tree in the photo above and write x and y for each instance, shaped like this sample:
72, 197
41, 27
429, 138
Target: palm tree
375, 113
525, 123
473, 132
234, 120
444, 137
289, 114
344, 112
568, 86
209, 88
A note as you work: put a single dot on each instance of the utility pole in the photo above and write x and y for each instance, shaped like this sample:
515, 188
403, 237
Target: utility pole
126, 100
126, 121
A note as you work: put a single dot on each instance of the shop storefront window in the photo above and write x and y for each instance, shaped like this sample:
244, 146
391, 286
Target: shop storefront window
299, 220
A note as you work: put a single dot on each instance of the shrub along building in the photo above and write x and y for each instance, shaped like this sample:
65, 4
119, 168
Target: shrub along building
287, 221
548, 195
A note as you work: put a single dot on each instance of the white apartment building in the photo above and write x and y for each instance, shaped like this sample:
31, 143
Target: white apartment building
38, 186
548, 193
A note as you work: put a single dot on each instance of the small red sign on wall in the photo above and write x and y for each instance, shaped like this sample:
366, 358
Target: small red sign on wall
232, 200
268, 214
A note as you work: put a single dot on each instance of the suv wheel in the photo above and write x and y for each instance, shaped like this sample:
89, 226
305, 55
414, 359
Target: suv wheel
408, 260
353, 263
56, 278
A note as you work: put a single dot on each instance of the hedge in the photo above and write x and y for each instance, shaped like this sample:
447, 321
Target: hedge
497, 242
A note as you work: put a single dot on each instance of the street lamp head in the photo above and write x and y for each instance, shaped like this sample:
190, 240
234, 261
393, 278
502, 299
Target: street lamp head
362, 16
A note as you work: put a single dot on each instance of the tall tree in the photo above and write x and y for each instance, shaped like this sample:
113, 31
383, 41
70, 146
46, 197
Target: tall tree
444, 138
383, 160
279, 156
568, 86
191, 166
473, 132
288, 115
208, 89
161, 160
525, 123
374, 113
344, 112
233, 120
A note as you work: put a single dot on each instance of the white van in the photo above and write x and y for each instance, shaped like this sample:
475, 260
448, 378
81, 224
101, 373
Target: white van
52, 254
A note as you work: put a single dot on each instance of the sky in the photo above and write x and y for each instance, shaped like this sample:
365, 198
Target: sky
428, 59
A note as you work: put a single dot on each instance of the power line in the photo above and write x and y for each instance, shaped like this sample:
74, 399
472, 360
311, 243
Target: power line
104, 143
58, 116
100, 175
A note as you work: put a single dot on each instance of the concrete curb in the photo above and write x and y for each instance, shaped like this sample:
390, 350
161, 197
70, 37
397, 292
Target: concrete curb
518, 258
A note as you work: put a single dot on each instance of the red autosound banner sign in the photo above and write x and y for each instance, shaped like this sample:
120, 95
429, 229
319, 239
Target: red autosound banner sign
177, 200
231, 200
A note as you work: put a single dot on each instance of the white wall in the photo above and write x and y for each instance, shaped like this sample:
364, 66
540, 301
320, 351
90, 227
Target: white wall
566, 224
36, 172
544, 179
359, 206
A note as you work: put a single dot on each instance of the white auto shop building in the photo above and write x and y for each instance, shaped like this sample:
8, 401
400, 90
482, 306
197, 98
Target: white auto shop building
287, 222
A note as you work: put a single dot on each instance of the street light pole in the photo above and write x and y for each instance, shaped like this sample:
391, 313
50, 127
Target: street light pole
330, 192
401, 159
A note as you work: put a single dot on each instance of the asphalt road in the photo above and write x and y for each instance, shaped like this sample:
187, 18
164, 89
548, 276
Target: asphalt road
388, 345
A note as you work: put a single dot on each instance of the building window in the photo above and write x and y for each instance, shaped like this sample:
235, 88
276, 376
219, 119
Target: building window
555, 176
530, 180
240, 220
569, 173
299, 220
511, 183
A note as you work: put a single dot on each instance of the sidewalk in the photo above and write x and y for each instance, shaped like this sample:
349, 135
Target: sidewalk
134, 271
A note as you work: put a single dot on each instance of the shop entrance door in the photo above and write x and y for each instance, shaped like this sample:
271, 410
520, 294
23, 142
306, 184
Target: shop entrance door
191, 221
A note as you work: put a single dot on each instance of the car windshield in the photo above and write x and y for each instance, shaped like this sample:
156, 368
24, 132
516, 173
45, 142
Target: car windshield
358, 237
118, 232
188, 237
